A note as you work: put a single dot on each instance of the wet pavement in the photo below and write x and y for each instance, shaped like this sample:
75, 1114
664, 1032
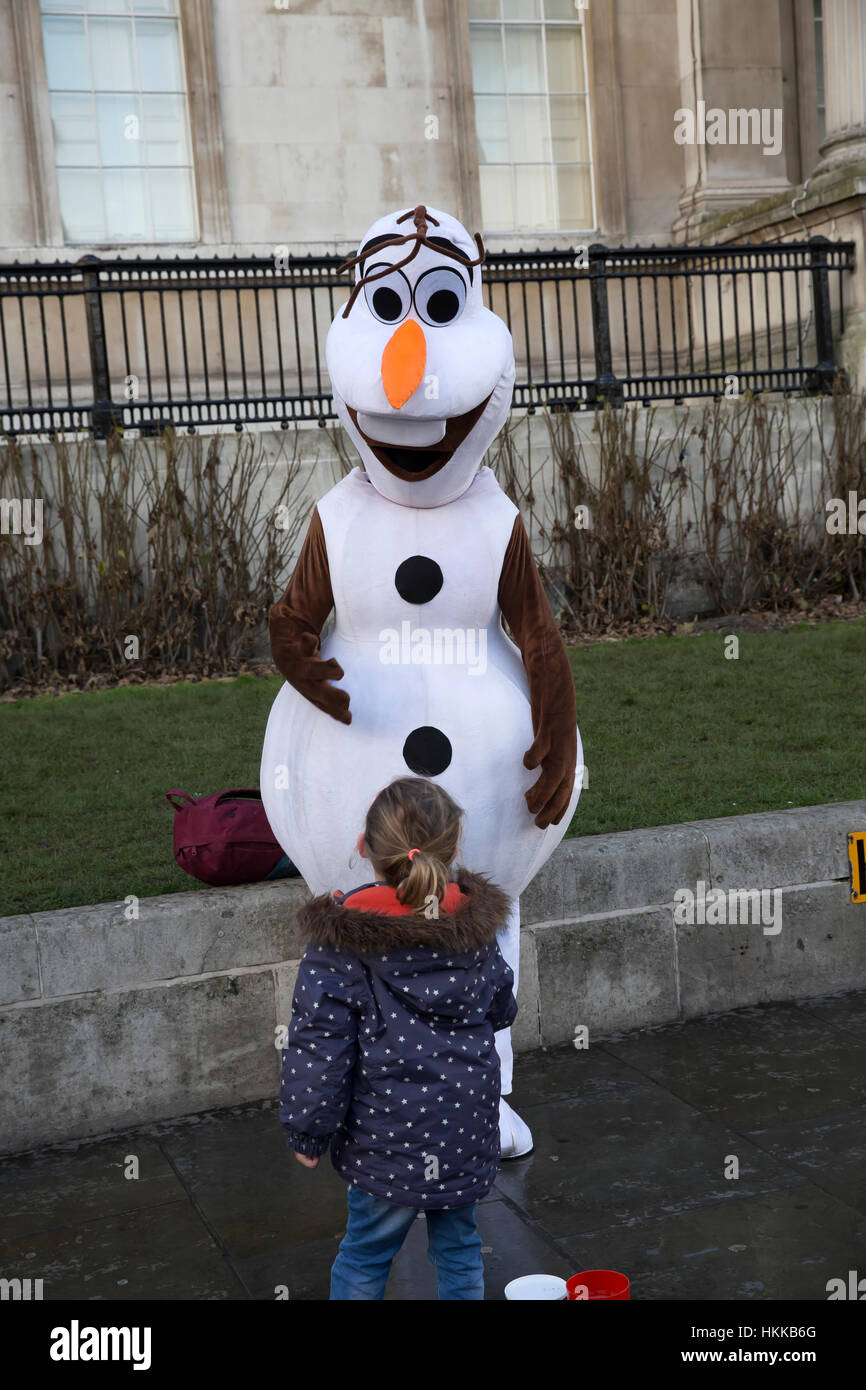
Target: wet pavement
723, 1158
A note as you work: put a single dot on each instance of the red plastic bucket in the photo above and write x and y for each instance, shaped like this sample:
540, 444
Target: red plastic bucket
597, 1284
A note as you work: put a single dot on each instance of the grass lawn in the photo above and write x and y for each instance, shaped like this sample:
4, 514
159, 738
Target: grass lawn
672, 731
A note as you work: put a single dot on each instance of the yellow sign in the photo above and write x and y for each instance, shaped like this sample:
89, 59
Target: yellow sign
857, 865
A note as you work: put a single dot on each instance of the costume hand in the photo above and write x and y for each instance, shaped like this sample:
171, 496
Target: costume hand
311, 676
308, 1160
548, 797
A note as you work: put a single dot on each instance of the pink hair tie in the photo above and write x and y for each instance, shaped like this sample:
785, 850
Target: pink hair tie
411, 852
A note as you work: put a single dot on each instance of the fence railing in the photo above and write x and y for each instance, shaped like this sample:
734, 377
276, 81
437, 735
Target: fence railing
205, 341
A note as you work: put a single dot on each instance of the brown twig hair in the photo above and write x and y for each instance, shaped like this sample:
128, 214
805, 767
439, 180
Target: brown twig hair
420, 217
413, 813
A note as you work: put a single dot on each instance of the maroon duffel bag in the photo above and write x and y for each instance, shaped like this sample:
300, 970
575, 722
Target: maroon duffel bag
225, 838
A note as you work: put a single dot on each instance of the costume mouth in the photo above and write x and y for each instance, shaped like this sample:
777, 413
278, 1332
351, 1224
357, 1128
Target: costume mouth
414, 465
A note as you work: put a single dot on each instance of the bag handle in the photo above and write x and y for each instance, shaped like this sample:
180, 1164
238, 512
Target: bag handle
169, 796
252, 792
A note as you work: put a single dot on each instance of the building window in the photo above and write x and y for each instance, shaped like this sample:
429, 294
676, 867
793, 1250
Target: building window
818, 16
532, 115
119, 110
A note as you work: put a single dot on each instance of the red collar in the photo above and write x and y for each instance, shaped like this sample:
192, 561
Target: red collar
381, 897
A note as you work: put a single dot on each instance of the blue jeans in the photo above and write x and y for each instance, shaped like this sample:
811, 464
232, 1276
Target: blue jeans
375, 1232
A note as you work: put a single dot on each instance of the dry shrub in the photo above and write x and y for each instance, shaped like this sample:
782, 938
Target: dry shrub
736, 497
166, 540
170, 540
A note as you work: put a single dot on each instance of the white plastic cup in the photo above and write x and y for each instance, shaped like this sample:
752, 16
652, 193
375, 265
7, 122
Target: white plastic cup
537, 1287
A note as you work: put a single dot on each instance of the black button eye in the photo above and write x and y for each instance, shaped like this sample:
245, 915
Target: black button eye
386, 303
443, 306
389, 297
440, 295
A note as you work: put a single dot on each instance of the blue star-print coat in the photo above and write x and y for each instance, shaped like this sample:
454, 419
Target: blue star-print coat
390, 1059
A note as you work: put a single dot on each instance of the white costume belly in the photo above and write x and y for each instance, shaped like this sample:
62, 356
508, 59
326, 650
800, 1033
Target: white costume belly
318, 777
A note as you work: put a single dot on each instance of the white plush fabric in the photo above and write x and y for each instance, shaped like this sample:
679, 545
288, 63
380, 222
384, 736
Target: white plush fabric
318, 776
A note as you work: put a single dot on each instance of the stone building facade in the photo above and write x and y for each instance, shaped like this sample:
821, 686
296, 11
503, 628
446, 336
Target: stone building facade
226, 127
296, 122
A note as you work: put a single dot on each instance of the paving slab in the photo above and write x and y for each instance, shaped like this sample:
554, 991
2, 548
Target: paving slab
755, 1066
303, 1271
554, 1073
631, 1170
249, 1187
779, 1245
627, 1154
830, 1151
841, 1010
88, 1182
160, 1253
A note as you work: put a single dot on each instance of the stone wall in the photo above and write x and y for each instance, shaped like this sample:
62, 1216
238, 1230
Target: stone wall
107, 1023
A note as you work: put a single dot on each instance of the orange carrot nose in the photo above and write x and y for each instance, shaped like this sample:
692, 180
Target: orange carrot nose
403, 362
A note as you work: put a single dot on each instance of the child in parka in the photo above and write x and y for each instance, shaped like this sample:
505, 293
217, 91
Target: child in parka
390, 1059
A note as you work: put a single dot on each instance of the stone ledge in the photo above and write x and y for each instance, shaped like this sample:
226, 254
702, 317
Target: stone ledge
106, 1023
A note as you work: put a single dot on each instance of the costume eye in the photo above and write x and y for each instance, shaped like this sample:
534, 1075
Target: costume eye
440, 295
388, 299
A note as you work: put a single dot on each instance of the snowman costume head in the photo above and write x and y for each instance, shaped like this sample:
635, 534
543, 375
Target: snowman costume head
422, 372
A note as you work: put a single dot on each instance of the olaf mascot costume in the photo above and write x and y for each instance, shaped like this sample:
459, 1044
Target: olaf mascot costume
421, 555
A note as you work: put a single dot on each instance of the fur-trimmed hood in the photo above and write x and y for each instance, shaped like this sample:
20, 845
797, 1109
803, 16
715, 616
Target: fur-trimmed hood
391, 1056
327, 923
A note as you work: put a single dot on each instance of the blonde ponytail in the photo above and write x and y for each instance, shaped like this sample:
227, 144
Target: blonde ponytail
411, 835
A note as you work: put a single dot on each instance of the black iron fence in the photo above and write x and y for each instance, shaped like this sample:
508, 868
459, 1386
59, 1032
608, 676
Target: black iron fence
206, 341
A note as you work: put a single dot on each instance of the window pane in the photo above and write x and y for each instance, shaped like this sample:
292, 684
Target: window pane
491, 121
66, 54
568, 127
126, 215
158, 55
74, 129
120, 132
575, 196
81, 204
565, 60
534, 197
561, 9
112, 55
165, 129
171, 197
523, 57
118, 106
497, 211
527, 123
483, 9
521, 9
488, 72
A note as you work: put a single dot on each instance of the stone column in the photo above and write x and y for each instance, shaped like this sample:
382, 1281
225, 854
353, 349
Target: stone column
844, 26
730, 64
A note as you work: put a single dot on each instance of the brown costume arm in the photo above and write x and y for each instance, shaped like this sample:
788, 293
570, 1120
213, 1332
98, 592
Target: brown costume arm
296, 622
525, 608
